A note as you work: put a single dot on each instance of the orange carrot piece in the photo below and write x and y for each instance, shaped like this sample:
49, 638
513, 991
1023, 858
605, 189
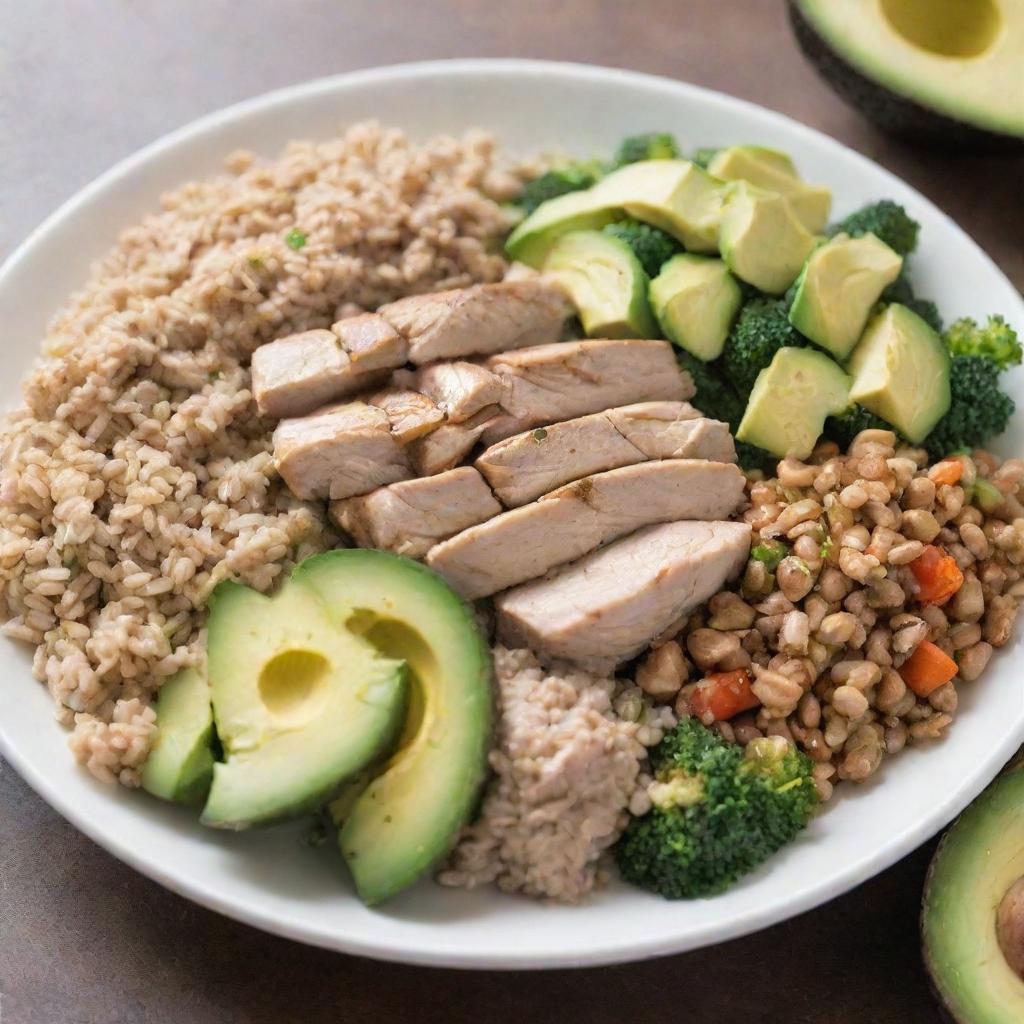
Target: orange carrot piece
937, 574
724, 695
948, 471
928, 668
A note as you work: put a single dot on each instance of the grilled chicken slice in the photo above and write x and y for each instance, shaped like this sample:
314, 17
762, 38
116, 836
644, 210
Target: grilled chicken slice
412, 516
412, 415
608, 606
459, 389
371, 342
449, 444
551, 383
295, 375
479, 320
528, 465
338, 452
567, 523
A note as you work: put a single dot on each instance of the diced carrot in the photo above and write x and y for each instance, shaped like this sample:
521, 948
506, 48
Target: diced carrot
723, 695
948, 471
928, 668
937, 574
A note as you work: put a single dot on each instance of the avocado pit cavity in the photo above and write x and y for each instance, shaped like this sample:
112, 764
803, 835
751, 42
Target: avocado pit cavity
1010, 926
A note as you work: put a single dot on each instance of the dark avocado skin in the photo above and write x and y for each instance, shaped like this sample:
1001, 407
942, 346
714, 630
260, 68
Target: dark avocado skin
893, 113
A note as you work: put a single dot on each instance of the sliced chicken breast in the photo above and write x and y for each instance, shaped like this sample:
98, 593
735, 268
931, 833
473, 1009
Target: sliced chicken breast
410, 517
608, 606
412, 415
459, 389
479, 320
551, 383
338, 452
449, 444
567, 523
295, 375
371, 342
530, 464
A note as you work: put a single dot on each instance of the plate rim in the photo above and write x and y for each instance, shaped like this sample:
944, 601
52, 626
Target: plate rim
710, 933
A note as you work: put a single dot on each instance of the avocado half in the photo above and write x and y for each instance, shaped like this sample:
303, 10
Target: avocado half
972, 918
945, 73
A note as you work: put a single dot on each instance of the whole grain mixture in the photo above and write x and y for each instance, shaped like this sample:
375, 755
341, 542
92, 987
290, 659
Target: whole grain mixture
138, 474
568, 761
877, 586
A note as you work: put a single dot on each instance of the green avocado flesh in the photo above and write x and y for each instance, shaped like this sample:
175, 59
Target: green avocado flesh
605, 282
300, 704
532, 239
790, 401
838, 288
774, 171
180, 765
761, 240
979, 859
695, 299
900, 372
407, 818
946, 72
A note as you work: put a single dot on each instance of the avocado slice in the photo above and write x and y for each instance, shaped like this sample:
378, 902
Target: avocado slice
409, 816
790, 401
533, 237
838, 288
606, 283
761, 240
943, 72
180, 765
900, 372
675, 195
972, 919
301, 704
774, 171
695, 299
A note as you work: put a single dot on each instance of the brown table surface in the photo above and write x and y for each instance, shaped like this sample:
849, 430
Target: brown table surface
86, 940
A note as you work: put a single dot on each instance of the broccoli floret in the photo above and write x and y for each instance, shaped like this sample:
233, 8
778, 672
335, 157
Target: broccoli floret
715, 397
997, 341
650, 146
702, 157
761, 329
750, 457
885, 219
902, 291
719, 811
978, 408
928, 312
651, 246
557, 182
847, 425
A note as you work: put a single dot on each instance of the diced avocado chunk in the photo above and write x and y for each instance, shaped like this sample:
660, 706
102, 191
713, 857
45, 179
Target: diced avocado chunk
900, 372
408, 817
674, 195
695, 299
180, 765
773, 170
301, 704
534, 236
761, 240
838, 288
605, 282
790, 400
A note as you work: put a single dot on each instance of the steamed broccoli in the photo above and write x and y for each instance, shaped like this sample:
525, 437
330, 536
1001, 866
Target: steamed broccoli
997, 341
760, 331
719, 811
715, 397
978, 408
651, 246
902, 291
847, 425
557, 182
702, 157
650, 146
885, 219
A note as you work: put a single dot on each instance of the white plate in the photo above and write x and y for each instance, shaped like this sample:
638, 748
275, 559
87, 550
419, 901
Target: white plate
267, 878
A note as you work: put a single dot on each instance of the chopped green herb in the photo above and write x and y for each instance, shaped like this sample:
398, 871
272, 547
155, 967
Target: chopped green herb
255, 260
296, 239
214, 375
825, 552
770, 553
986, 495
